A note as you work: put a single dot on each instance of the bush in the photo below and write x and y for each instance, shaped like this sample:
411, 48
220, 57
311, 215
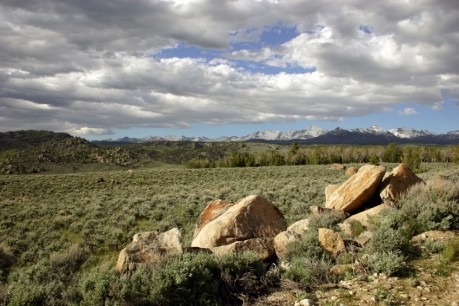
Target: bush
202, 279
310, 273
187, 278
433, 206
389, 263
308, 247
244, 277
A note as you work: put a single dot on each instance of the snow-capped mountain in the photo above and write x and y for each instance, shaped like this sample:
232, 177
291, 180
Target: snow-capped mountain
313, 134
374, 129
309, 132
265, 135
405, 132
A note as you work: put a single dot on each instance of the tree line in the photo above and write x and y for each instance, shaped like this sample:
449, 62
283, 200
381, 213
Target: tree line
322, 155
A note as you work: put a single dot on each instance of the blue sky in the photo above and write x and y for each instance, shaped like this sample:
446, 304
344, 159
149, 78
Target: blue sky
206, 68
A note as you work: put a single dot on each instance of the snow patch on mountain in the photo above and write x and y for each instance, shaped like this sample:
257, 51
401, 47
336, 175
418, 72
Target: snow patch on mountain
406, 132
374, 129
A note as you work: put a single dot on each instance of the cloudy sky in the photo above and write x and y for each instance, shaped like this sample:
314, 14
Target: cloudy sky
113, 68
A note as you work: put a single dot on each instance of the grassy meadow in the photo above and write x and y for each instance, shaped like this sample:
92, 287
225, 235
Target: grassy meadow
58, 229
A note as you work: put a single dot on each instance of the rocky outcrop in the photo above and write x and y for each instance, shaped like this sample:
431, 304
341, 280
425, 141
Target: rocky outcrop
252, 217
357, 190
148, 247
262, 247
331, 241
398, 182
293, 233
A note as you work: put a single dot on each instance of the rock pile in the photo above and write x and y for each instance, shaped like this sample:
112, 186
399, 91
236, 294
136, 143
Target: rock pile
255, 224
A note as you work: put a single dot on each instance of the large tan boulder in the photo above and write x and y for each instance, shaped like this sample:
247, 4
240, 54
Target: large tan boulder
357, 190
149, 247
293, 233
329, 190
212, 211
331, 241
398, 182
262, 247
252, 217
364, 216
351, 171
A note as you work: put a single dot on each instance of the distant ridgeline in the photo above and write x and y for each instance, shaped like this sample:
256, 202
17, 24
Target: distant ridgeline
38, 151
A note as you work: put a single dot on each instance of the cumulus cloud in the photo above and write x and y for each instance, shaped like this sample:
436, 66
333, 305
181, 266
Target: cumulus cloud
88, 67
408, 111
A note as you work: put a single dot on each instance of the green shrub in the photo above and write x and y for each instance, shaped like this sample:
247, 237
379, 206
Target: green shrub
244, 276
307, 247
389, 263
7, 260
96, 287
450, 251
434, 246
433, 206
309, 273
326, 220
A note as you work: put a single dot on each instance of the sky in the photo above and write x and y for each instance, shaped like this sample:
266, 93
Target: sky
113, 68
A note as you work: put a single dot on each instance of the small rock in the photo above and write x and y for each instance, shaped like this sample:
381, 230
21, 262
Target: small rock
305, 302
331, 241
337, 167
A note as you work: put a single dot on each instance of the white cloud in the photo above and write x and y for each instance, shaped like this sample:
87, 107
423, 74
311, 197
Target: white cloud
408, 111
438, 106
86, 66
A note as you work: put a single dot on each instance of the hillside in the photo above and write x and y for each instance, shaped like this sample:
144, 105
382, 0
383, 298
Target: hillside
38, 151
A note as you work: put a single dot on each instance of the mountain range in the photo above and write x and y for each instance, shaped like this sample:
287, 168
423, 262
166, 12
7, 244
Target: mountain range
317, 135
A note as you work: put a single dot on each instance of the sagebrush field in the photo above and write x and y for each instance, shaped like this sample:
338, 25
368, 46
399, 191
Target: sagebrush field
59, 230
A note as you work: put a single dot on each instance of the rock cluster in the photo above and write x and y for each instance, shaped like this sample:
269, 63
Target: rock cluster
255, 224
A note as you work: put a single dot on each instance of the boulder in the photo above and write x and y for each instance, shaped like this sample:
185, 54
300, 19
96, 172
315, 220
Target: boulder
351, 227
337, 167
363, 217
293, 233
398, 182
331, 241
252, 217
364, 238
299, 227
212, 211
329, 190
351, 171
262, 247
148, 247
320, 211
357, 190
